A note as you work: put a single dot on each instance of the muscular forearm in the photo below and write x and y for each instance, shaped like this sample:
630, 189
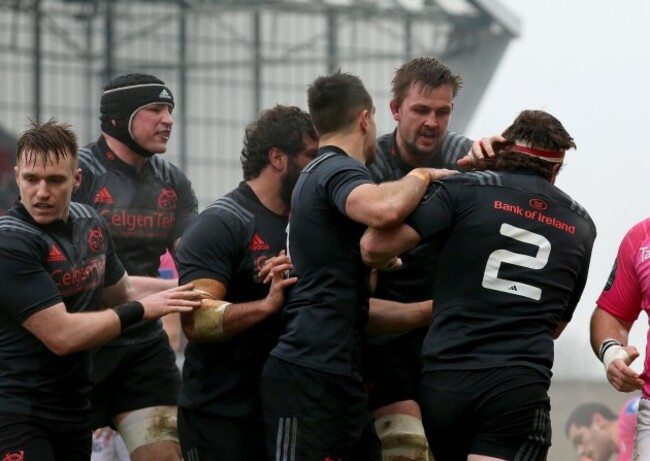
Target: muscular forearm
393, 317
386, 204
605, 326
139, 287
65, 333
213, 321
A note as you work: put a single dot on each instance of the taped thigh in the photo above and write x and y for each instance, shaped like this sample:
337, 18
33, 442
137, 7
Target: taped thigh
148, 425
402, 436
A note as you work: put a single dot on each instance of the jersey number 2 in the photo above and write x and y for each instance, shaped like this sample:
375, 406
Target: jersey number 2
491, 279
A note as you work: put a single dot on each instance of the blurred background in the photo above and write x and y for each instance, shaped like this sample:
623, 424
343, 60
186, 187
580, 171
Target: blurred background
225, 60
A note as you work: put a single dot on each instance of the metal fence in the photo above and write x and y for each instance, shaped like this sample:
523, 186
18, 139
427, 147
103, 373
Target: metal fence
225, 61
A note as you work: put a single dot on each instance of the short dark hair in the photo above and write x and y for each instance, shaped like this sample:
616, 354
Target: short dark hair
336, 100
582, 415
538, 130
47, 140
283, 127
429, 73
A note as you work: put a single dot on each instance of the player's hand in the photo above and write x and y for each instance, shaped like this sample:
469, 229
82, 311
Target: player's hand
265, 272
279, 283
103, 435
394, 264
178, 299
621, 376
481, 150
439, 173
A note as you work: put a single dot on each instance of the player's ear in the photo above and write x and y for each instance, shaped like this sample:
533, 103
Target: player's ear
76, 180
277, 158
394, 109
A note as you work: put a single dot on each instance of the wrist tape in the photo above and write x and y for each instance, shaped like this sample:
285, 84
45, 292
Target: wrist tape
421, 174
610, 350
129, 313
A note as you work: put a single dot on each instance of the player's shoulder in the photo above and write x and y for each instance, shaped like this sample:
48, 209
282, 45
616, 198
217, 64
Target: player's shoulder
233, 207
166, 170
80, 210
569, 202
640, 230
89, 160
19, 237
484, 178
14, 225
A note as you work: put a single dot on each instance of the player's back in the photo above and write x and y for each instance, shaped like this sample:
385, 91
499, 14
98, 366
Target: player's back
513, 263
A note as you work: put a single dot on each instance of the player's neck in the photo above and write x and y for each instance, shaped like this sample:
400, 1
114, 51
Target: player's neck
268, 193
125, 154
350, 143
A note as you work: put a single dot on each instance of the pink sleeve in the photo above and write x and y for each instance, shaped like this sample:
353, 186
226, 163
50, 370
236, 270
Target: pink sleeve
623, 294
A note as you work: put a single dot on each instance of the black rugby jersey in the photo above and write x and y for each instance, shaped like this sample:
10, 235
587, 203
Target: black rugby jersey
413, 281
513, 261
229, 242
327, 310
41, 266
146, 212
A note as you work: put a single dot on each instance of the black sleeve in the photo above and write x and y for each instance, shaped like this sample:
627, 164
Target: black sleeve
25, 284
434, 213
210, 248
114, 268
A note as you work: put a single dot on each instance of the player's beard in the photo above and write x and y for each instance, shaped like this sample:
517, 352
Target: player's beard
289, 181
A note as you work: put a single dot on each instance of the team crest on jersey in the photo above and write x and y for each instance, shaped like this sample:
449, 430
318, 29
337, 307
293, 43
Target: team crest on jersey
167, 199
96, 239
17, 456
538, 203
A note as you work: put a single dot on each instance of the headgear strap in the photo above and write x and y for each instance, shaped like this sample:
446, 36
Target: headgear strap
549, 156
119, 106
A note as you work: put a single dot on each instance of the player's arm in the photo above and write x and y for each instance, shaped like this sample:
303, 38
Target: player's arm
64, 332
387, 317
609, 341
559, 329
387, 204
380, 246
218, 320
135, 287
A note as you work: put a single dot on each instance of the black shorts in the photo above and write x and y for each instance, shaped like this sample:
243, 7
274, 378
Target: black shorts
132, 377
501, 412
393, 368
212, 438
24, 437
311, 415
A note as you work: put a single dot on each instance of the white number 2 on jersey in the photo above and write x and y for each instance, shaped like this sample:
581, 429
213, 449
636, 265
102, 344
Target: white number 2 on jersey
491, 279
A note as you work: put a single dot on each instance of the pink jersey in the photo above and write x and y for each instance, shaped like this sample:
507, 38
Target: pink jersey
627, 428
628, 290
167, 269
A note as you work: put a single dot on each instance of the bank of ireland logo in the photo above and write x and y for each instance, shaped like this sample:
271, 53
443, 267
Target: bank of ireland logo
167, 199
96, 239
